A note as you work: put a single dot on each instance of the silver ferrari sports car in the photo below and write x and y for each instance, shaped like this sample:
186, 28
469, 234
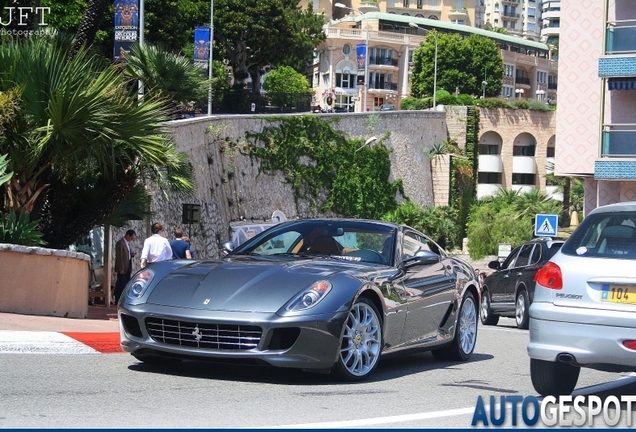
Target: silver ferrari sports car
320, 295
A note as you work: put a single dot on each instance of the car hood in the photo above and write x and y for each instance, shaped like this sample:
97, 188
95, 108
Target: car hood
243, 284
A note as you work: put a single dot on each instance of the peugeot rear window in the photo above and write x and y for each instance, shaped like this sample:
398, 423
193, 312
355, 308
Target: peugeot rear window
605, 235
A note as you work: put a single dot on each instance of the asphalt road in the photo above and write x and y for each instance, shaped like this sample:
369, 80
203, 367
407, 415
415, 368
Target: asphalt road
415, 391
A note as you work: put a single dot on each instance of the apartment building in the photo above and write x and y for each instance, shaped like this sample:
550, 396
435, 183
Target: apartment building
518, 17
596, 123
551, 21
465, 12
338, 80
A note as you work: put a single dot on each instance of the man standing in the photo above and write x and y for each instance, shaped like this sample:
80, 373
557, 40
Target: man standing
123, 262
156, 247
180, 247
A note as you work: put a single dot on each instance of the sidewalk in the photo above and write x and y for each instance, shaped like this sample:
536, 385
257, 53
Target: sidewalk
100, 319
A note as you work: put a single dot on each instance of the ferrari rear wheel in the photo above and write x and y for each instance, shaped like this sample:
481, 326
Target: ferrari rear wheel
462, 346
361, 341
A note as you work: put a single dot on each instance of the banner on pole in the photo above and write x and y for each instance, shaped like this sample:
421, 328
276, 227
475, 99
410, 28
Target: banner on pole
126, 26
361, 55
202, 47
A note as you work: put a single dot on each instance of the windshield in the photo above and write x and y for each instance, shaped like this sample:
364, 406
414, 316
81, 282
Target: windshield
348, 240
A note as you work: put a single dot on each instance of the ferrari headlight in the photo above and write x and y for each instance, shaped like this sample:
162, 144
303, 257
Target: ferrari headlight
139, 284
310, 297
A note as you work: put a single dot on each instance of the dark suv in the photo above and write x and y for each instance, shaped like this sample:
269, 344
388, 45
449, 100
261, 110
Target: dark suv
509, 290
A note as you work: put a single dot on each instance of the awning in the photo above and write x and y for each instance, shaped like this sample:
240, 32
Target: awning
621, 84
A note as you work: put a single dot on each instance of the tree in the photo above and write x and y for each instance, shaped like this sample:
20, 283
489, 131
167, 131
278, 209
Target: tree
258, 33
462, 63
284, 85
81, 141
167, 75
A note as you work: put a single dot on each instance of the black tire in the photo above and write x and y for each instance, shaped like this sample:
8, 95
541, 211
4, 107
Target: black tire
155, 360
522, 304
463, 344
553, 378
485, 311
360, 343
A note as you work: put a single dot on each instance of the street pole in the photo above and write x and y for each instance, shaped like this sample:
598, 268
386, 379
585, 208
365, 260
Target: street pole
414, 25
142, 13
366, 68
210, 65
366, 55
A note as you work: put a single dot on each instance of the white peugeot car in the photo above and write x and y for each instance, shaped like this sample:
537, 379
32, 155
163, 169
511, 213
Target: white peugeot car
584, 308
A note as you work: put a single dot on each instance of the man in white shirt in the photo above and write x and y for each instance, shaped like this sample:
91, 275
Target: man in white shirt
156, 247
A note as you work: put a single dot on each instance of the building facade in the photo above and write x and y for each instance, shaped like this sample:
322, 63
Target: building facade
338, 79
518, 17
596, 124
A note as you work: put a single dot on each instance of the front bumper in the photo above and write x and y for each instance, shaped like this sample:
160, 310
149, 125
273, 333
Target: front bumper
556, 330
316, 345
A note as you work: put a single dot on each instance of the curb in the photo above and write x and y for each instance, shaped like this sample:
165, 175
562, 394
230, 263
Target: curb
45, 342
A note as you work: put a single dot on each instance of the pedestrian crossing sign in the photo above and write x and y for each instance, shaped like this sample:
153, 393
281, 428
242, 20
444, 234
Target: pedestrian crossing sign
546, 225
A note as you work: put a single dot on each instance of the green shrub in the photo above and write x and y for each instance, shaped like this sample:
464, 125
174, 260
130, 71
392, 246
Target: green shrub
465, 99
492, 103
538, 106
522, 104
412, 103
19, 230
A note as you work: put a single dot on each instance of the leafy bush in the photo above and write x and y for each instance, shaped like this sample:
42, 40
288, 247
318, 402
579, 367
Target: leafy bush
19, 230
465, 99
506, 217
445, 98
492, 103
440, 223
416, 104
538, 106
522, 104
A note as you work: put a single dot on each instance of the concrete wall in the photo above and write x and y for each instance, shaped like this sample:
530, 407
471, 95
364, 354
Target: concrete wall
40, 281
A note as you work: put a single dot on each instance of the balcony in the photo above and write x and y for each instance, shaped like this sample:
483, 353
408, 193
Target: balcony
618, 140
522, 80
369, 6
375, 85
458, 14
522, 188
487, 189
490, 163
621, 39
524, 165
509, 15
510, 2
552, 86
383, 61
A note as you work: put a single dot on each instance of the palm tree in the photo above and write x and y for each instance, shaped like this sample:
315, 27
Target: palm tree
170, 76
81, 141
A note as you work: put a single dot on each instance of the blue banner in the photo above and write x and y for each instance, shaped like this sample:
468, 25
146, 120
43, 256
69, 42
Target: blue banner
361, 55
126, 26
202, 46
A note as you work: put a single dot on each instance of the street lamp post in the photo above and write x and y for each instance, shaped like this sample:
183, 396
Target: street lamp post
211, 63
366, 55
414, 25
519, 93
540, 94
484, 83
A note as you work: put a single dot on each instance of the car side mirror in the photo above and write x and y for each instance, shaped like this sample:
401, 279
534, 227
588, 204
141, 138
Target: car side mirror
422, 257
226, 248
495, 265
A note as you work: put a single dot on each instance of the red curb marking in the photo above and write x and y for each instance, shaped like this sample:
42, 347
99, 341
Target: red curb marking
104, 342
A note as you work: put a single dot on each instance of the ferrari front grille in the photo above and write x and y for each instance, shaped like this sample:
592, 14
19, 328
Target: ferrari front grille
206, 336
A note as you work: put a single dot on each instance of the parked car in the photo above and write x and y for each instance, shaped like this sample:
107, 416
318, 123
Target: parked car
584, 309
319, 294
509, 290
387, 107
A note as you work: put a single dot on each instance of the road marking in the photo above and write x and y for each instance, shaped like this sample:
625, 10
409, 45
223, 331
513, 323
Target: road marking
36, 342
380, 420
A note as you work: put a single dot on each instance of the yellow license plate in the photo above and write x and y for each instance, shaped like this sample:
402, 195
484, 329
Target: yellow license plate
619, 294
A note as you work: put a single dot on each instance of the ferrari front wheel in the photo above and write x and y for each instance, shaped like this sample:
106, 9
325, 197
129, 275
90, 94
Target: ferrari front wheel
361, 341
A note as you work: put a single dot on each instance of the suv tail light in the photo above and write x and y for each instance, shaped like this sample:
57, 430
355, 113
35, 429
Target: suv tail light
549, 276
630, 344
